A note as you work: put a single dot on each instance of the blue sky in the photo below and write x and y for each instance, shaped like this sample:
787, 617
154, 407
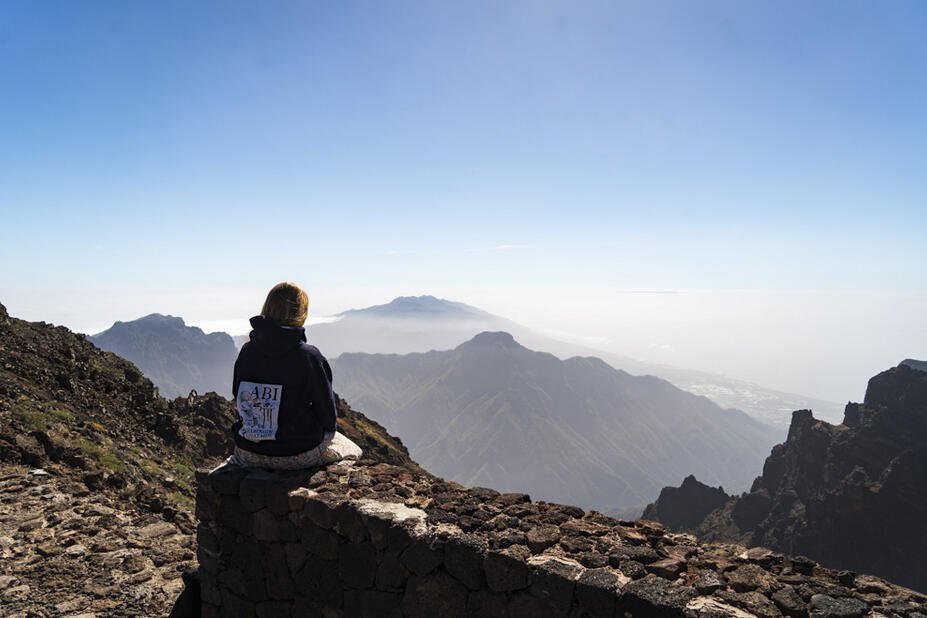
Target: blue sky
163, 152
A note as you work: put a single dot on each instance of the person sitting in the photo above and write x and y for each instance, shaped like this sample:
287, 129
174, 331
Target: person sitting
283, 390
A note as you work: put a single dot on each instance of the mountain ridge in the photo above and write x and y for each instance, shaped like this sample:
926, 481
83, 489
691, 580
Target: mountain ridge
493, 412
177, 357
421, 323
401, 334
417, 306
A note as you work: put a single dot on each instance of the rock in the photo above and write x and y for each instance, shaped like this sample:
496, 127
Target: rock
372, 603
554, 579
789, 603
509, 538
668, 568
320, 509
823, 606
379, 517
295, 556
226, 479
440, 595
637, 553
391, 574
632, 569
349, 523
592, 560
252, 490
542, 537
265, 526
357, 564
654, 596
319, 542
488, 603
507, 569
596, 591
708, 582
422, 557
847, 578
750, 577
273, 609
803, 565
583, 528
156, 530
764, 557
463, 559
752, 602
93, 480
687, 505
576, 544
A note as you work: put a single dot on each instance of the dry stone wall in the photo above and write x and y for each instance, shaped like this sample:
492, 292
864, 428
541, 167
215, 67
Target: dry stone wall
351, 540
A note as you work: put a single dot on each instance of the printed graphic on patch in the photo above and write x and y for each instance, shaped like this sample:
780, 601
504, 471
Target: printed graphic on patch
258, 407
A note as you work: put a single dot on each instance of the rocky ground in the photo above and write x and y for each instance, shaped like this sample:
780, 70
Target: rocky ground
70, 551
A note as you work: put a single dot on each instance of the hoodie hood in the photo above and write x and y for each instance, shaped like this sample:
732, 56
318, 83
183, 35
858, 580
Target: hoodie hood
273, 338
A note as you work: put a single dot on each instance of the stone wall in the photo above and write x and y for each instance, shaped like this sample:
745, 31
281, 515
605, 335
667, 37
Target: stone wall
378, 541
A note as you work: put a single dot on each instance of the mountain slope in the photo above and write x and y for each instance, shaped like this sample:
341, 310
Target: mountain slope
96, 475
491, 412
419, 324
176, 357
849, 495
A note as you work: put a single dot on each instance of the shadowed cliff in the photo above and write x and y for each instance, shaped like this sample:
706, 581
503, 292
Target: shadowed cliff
850, 495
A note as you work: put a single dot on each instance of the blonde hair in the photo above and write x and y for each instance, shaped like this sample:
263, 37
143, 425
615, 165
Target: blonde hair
287, 303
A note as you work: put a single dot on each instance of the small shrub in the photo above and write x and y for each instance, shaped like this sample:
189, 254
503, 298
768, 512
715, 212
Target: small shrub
152, 472
27, 414
61, 415
107, 460
133, 374
180, 498
183, 469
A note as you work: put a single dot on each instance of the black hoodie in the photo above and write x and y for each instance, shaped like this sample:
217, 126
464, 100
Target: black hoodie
283, 390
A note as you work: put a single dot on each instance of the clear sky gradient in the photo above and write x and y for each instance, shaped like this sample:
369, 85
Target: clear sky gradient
537, 159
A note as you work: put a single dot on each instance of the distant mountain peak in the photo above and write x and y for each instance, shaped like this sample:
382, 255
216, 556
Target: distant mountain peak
915, 364
176, 357
488, 338
151, 319
418, 306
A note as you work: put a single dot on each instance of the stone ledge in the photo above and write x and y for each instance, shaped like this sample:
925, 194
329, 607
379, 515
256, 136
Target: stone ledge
377, 540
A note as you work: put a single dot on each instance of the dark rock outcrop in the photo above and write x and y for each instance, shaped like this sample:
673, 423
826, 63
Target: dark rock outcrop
684, 507
852, 496
915, 364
